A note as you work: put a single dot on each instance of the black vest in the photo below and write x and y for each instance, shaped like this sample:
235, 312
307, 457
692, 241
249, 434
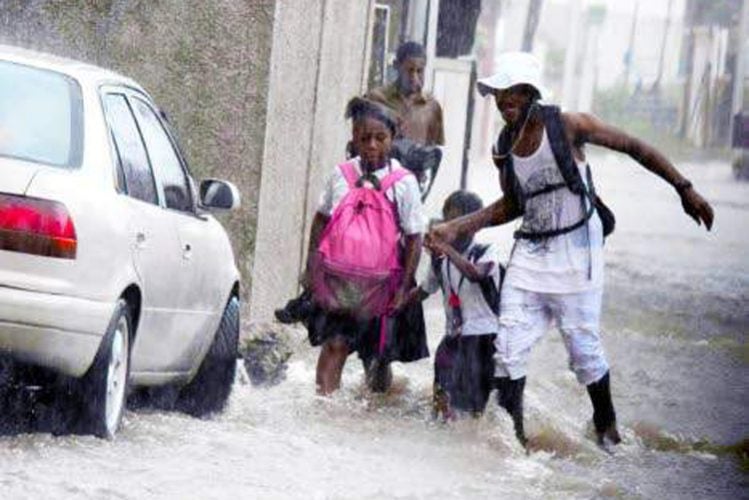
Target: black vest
552, 120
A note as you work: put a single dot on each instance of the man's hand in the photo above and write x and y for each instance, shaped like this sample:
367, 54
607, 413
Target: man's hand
441, 233
436, 246
697, 208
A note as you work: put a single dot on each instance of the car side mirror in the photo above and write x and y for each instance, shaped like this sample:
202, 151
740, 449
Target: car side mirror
216, 194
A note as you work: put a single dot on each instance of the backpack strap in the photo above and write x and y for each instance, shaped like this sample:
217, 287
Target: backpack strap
349, 173
477, 251
560, 147
508, 180
390, 179
436, 263
488, 287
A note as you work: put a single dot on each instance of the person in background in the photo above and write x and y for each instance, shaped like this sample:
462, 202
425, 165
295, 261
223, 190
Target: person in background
419, 114
420, 126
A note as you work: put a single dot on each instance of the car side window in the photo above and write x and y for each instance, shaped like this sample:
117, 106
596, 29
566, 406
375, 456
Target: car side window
133, 159
164, 160
120, 183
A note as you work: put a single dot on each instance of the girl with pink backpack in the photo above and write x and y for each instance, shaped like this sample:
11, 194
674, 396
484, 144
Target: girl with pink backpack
365, 244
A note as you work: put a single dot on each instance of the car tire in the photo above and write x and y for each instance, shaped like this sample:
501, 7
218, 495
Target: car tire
209, 390
103, 389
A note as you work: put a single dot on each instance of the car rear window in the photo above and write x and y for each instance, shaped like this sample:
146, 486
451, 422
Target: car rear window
40, 116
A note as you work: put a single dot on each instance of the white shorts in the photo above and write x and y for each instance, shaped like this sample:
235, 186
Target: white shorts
524, 318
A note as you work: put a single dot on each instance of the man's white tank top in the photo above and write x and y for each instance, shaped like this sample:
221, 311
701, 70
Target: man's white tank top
568, 263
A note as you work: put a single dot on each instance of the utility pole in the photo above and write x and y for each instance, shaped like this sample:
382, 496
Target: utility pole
531, 24
737, 102
569, 82
630, 55
662, 56
688, 55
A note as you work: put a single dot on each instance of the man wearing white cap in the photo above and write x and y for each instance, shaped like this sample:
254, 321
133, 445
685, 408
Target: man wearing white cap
555, 273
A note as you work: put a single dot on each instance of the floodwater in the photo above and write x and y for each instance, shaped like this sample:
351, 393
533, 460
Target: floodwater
675, 327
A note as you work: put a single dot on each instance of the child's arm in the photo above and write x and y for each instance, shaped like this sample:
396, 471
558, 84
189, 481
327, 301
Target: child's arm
411, 258
474, 272
429, 285
318, 225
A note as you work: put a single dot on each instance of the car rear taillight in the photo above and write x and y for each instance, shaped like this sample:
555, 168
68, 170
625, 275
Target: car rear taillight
35, 226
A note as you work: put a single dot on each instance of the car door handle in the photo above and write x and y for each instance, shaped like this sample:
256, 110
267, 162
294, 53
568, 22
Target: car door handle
186, 251
140, 239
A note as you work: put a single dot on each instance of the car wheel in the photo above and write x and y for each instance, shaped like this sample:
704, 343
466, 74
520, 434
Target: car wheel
104, 387
209, 390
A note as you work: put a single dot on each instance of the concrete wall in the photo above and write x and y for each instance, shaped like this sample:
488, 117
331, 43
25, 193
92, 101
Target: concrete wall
205, 63
318, 62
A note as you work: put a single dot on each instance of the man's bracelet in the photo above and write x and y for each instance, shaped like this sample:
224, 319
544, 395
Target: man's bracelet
682, 186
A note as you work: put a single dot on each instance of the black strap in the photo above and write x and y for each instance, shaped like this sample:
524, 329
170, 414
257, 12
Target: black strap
489, 289
436, 263
546, 189
560, 148
538, 235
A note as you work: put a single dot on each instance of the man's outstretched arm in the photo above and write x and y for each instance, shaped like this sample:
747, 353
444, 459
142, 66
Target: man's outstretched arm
498, 213
585, 128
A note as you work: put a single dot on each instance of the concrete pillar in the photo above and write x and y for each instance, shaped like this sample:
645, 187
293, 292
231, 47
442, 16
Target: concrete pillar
737, 101
292, 90
318, 62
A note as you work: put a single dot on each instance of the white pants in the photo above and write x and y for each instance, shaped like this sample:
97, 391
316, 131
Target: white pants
524, 318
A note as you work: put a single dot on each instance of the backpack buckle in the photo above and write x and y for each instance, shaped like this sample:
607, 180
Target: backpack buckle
371, 178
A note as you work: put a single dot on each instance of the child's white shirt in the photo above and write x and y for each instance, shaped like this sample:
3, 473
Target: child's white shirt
478, 317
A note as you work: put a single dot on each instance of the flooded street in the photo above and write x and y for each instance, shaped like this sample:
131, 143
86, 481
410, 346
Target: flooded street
674, 326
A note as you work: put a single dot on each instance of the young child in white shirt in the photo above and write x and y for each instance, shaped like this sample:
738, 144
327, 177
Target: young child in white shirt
469, 275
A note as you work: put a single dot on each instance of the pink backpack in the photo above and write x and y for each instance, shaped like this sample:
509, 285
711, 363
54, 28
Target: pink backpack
357, 269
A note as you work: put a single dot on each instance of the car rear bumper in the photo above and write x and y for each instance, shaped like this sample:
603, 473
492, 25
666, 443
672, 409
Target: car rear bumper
54, 331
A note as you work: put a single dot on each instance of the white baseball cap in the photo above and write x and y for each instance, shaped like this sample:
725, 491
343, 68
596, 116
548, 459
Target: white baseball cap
515, 68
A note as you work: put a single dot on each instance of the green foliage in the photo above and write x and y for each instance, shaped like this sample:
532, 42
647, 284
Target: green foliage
614, 106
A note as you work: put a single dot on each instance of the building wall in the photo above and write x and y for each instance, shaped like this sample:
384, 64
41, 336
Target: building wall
318, 62
205, 63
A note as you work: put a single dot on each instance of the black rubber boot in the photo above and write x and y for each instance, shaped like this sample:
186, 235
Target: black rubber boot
510, 397
378, 374
604, 416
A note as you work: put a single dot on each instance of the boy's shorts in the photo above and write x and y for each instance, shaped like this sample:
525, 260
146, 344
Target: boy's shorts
464, 371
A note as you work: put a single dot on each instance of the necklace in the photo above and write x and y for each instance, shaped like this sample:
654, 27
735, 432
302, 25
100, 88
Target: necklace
496, 155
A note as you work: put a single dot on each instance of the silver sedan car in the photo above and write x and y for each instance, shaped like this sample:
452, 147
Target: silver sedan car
113, 272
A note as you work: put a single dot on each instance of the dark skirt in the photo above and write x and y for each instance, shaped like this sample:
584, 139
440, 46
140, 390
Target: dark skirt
463, 372
405, 336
